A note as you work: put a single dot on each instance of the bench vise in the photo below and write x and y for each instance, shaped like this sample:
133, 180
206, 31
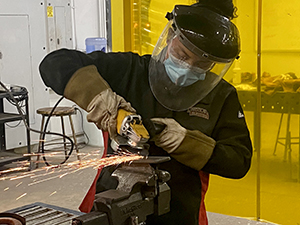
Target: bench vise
142, 190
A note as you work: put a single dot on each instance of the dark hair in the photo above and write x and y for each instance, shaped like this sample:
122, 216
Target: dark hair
223, 7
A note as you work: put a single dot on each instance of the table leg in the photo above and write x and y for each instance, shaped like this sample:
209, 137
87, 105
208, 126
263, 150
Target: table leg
299, 152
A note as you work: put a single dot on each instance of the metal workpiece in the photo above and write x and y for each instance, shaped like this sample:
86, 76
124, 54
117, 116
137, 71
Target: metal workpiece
134, 174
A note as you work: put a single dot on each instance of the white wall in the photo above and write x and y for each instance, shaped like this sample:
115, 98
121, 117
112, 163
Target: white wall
21, 68
89, 20
23, 44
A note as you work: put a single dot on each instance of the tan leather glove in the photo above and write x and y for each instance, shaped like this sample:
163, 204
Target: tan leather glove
92, 93
191, 148
103, 110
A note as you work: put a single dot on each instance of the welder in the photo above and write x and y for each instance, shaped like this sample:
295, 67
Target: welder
180, 86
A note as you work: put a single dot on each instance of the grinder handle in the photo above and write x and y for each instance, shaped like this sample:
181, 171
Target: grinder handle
153, 128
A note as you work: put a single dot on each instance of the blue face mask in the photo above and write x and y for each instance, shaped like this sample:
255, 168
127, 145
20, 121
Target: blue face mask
182, 75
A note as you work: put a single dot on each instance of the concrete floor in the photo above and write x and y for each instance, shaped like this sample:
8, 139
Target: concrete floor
67, 191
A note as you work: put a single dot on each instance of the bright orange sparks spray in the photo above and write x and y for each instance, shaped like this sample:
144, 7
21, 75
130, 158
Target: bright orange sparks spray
59, 171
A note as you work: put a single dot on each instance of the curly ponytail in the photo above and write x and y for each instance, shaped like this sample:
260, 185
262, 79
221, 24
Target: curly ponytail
223, 7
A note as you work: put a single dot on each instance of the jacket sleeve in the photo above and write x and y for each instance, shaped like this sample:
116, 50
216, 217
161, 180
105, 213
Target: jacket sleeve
59, 66
232, 154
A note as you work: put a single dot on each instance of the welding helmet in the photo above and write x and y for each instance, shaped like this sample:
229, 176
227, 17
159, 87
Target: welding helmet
193, 53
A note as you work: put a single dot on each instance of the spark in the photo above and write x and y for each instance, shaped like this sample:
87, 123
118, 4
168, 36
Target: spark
75, 166
13, 170
52, 154
43, 174
19, 184
40, 181
21, 196
20, 177
53, 193
63, 175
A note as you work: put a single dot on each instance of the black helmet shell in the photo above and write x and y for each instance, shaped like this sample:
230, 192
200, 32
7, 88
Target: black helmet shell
203, 30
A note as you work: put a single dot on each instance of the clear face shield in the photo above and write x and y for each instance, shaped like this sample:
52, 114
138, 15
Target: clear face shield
181, 74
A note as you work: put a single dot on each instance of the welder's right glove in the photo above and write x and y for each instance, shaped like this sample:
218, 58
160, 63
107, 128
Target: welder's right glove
190, 147
92, 93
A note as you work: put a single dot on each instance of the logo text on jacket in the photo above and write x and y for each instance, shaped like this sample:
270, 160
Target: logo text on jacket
200, 112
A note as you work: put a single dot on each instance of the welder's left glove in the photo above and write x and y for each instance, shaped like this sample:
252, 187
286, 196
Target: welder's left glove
103, 111
189, 147
92, 93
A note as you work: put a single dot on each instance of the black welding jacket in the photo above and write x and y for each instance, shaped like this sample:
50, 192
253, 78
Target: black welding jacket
219, 115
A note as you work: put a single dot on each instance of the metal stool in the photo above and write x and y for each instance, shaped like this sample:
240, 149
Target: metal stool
61, 112
287, 139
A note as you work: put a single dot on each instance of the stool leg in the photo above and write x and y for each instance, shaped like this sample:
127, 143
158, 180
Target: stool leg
63, 131
74, 136
289, 152
288, 137
40, 142
277, 137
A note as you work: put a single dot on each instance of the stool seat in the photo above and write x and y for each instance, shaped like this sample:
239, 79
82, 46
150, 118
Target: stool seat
59, 111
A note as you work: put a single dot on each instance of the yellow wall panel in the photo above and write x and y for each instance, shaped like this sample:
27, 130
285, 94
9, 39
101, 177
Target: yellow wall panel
280, 179
149, 17
117, 17
279, 175
157, 12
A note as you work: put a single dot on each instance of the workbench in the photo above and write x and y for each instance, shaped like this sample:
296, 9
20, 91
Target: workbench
279, 102
20, 94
